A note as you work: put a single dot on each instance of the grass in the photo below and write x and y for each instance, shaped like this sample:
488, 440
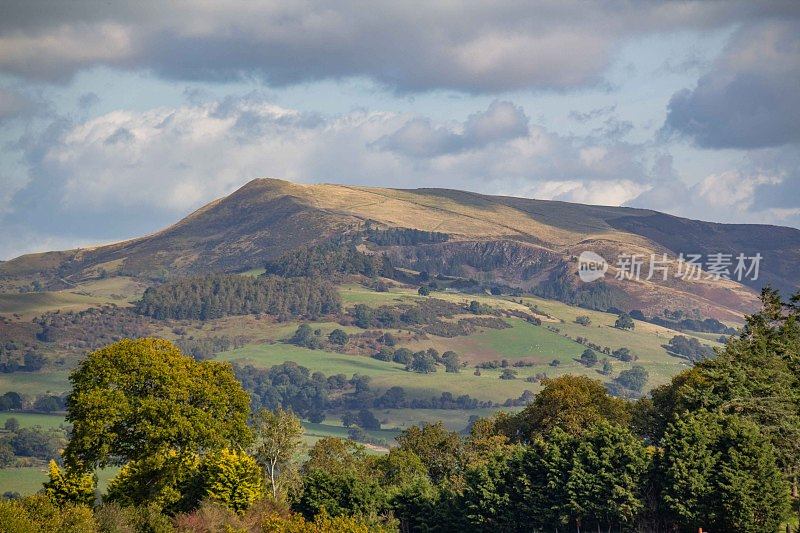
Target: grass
521, 341
353, 294
383, 374
28, 479
35, 383
25, 420
30, 304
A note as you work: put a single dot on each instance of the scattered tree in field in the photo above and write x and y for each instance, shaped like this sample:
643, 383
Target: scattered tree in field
451, 362
424, 290
624, 321
583, 320
633, 379
338, 337
588, 357
508, 373
367, 420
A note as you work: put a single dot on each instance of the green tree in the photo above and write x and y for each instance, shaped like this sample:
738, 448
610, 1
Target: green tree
424, 290
451, 361
634, 378
339, 337
439, 449
624, 321
340, 494
588, 357
718, 471
278, 435
572, 403
606, 477
137, 399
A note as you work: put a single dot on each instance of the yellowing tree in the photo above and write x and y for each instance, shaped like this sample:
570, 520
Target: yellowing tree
232, 478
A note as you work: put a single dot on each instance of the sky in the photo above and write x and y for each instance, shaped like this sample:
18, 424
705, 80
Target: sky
119, 118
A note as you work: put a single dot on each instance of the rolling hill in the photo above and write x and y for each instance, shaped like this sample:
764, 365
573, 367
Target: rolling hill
517, 242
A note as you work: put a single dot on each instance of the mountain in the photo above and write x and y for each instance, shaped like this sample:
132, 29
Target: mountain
518, 242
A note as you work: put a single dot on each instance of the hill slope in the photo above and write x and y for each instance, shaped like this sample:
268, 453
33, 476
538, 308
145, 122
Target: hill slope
515, 241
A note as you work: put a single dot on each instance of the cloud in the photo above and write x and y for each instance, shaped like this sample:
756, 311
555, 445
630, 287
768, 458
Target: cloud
750, 97
14, 104
474, 47
419, 137
126, 173
762, 186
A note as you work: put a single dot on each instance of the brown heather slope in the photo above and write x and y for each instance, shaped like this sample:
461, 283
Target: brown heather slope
517, 241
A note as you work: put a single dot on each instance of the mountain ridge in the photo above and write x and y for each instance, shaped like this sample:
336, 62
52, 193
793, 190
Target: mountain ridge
268, 217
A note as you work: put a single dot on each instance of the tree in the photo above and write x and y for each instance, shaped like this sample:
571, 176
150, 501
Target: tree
508, 373
367, 420
136, 399
402, 356
588, 357
11, 424
231, 478
339, 337
348, 419
339, 494
608, 368
583, 320
68, 486
606, 478
334, 455
572, 403
422, 362
593, 479
424, 290
719, 471
633, 379
624, 321
278, 435
439, 449
10, 400
451, 362
7, 457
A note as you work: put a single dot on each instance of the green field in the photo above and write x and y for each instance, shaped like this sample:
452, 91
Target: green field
27, 480
34, 419
35, 383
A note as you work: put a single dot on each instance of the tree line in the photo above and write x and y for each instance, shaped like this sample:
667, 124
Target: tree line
219, 295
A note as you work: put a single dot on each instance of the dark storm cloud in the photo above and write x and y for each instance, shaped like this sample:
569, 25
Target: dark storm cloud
751, 96
407, 46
